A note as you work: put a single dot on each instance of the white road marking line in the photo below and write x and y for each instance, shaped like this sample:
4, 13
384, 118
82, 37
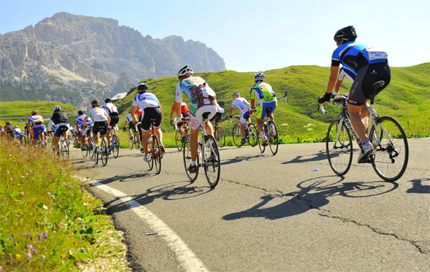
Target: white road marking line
185, 256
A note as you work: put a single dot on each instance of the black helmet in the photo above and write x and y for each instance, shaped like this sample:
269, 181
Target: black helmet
80, 112
142, 87
345, 34
35, 112
95, 103
108, 100
185, 70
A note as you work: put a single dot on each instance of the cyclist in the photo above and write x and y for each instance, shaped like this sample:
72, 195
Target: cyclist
243, 105
266, 102
101, 121
151, 108
82, 132
370, 66
131, 126
202, 101
17, 132
112, 110
61, 121
36, 126
9, 131
184, 112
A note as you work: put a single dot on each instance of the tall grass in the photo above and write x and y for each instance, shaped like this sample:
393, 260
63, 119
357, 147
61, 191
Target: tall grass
48, 221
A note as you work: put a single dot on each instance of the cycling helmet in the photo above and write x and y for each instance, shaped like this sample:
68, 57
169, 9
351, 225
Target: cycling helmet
57, 108
108, 100
142, 87
185, 70
80, 112
259, 76
95, 103
345, 34
35, 112
236, 94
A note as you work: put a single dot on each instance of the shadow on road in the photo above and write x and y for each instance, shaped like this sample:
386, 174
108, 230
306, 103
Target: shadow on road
320, 156
418, 187
313, 194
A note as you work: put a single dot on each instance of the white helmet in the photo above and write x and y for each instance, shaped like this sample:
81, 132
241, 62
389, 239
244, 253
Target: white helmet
185, 70
57, 108
236, 94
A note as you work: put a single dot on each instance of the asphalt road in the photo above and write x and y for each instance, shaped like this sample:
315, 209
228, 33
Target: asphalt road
287, 212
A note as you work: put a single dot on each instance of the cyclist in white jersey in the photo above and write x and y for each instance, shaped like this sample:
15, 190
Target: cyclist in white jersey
129, 120
112, 110
80, 128
151, 107
101, 121
244, 106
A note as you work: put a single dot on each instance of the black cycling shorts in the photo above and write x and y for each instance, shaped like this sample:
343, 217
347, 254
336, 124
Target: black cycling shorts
59, 131
361, 89
217, 117
100, 126
114, 120
148, 114
131, 126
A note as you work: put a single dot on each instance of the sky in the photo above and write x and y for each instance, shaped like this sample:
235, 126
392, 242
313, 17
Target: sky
252, 35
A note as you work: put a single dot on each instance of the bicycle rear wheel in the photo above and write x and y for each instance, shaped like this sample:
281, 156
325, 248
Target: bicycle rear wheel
211, 161
131, 143
90, 147
252, 135
339, 148
237, 135
115, 144
260, 142
103, 152
137, 140
178, 139
220, 136
273, 137
156, 154
186, 154
392, 152
150, 151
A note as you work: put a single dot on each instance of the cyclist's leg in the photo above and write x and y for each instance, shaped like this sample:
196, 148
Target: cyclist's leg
145, 134
195, 128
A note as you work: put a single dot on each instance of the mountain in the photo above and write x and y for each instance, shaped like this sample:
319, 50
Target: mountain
74, 59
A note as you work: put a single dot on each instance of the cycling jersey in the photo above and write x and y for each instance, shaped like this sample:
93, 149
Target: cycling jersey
241, 103
17, 132
36, 120
59, 118
184, 108
189, 86
355, 55
146, 100
346, 73
111, 109
80, 121
129, 118
263, 92
98, 115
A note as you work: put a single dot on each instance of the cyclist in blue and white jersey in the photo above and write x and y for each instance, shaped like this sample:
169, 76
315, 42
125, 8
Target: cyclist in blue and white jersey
202, 101
371, 66
243, 105
101, 121
151, 108
82, 132
266, 102
36, 126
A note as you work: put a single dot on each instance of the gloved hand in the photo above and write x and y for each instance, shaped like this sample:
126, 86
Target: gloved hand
325, 98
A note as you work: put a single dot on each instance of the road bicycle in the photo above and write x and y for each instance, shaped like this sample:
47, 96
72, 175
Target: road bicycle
100, 152
251, 133
219, 135
391, 150
271, 134
182, 134
114, 145
63, 145
154, 149
134, 141
207, 157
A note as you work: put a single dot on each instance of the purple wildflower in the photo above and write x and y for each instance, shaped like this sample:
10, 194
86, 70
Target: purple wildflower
29, 246
10, 239
29, 255
21, 193
45, 235
21, 147
27, 234
43, 257
34, 250
39, 237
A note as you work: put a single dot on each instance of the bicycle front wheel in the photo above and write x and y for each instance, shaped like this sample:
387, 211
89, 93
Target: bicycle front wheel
137, 140
220, 136
211, 161
273, 137
392, 152
339, 147
115, 144
252, 135
90, 147
237, 135
156, 154
178, 140
186, 154
103, 152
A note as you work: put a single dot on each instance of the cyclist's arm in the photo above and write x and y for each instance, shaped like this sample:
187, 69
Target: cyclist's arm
334, 70
178, 109
133, 113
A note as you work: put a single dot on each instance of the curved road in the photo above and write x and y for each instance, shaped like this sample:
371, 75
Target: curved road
287, 212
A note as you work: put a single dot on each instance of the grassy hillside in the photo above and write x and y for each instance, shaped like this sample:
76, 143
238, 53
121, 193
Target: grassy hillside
24, 108
407, 98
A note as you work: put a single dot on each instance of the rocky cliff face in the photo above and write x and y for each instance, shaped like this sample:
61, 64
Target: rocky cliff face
74, 59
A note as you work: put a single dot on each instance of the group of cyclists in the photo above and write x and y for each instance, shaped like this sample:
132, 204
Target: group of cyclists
361, 64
